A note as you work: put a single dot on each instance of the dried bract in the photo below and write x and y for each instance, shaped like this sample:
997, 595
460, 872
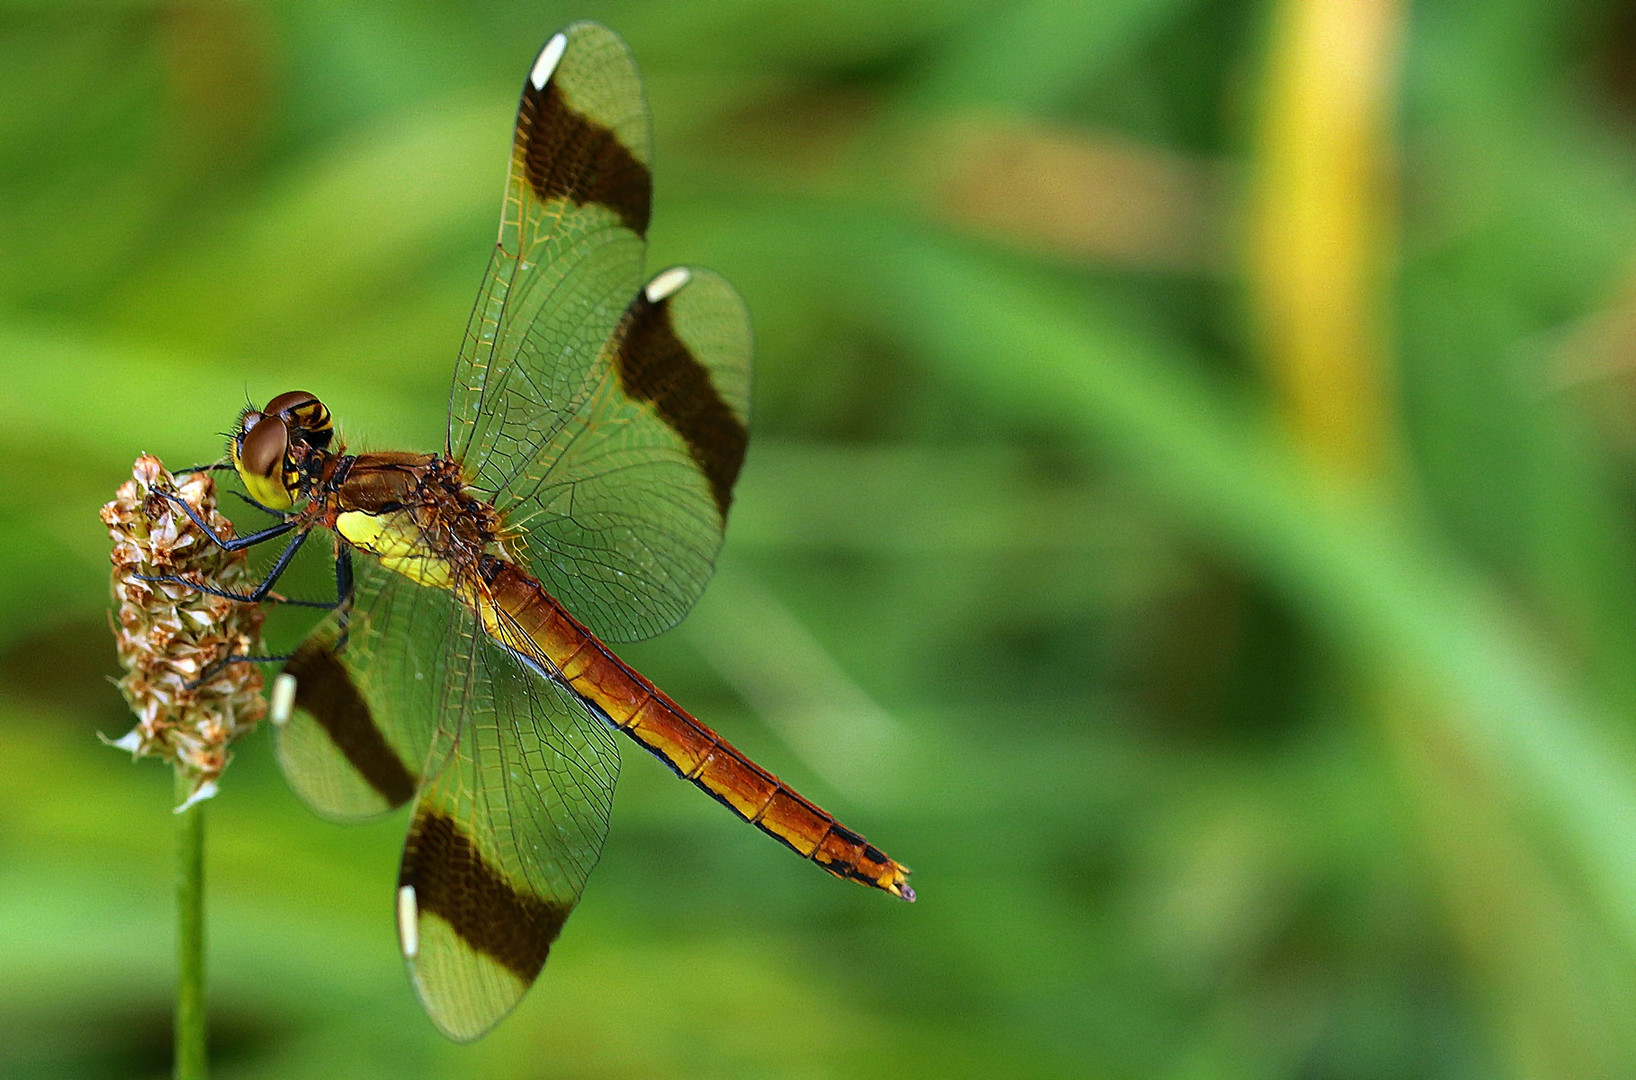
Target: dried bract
170, 635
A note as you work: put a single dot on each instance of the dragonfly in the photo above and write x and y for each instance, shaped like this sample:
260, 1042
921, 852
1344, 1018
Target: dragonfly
597, 424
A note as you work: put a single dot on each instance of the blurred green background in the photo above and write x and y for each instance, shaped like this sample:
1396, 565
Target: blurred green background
1190, 518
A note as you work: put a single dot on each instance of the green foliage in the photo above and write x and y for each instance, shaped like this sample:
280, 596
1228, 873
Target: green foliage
1207, 766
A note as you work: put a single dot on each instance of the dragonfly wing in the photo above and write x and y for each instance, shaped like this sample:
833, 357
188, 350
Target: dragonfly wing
620, 514
370, 685
504, 836
572, 242
606, 418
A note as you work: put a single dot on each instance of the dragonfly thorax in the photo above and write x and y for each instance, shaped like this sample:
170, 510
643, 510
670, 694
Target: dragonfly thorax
414, 513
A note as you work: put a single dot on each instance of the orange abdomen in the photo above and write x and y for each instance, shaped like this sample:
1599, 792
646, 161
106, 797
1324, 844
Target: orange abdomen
696, 753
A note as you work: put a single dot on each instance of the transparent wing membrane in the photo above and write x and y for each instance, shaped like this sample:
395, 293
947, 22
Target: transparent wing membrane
568, 258
402, 695
621, 513
503, 839
371, 692
607, 421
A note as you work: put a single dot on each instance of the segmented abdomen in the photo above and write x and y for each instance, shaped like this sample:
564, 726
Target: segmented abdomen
522, 607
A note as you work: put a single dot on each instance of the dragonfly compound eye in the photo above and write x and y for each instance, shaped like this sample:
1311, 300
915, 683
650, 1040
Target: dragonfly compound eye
262, 460
287, 401
307, 417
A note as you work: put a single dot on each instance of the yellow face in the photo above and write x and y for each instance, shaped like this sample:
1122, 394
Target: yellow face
270, 446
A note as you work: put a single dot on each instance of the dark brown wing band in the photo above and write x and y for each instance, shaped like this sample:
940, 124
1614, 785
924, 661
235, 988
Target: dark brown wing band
324, 688
566, 155
657, 367
452, 881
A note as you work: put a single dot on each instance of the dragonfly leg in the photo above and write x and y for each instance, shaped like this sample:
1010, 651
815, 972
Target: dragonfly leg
261, 591
237, 543
343, 593
216, 666
343, 596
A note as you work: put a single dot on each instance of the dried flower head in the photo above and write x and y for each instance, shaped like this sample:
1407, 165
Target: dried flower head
171, 637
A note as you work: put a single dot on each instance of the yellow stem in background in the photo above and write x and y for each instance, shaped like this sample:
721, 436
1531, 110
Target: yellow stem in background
1320, 228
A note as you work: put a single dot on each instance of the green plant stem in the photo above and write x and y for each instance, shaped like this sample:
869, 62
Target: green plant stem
191, 1022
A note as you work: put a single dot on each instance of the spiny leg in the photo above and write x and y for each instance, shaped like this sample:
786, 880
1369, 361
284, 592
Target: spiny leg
261, 591
239, 543
343, 595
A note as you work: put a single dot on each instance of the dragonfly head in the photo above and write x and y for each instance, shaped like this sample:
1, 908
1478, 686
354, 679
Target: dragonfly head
277, 449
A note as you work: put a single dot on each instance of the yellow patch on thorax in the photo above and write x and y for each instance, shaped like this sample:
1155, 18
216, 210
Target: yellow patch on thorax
399, 543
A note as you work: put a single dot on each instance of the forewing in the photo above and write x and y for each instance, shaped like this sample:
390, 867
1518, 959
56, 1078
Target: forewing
620, 513
504, 837
568, 259
606, 420
370, 683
